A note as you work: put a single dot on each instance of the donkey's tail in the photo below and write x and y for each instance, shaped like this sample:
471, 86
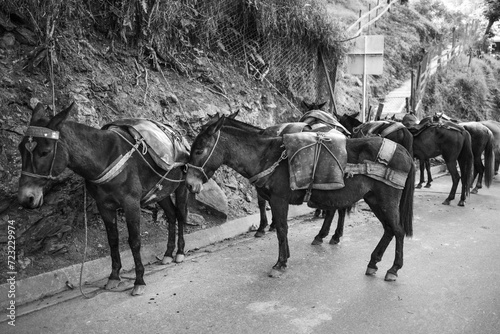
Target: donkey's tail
406, 202
489, 160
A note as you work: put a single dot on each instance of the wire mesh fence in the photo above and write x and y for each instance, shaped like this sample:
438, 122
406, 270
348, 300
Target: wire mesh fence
292, 66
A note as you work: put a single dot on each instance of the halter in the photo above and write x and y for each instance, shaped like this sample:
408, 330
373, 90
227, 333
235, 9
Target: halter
200, 169
40, 132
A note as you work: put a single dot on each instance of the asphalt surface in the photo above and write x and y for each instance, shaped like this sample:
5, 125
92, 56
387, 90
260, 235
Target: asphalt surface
449, 282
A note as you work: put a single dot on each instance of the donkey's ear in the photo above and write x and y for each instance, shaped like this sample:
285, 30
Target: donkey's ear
234, 114
321, 105
56, 121
308, 106
355, 115
37, 113
216, 126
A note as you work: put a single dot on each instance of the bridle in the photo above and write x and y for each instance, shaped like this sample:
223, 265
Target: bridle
201, 169
40, 132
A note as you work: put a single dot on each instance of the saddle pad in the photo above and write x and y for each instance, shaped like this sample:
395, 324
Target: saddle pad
321, 117
166, 146
369, 128
379, 169
280, 129
316, 159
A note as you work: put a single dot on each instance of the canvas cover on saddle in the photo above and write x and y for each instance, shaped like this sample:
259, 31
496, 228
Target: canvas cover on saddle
165, 145
316, 160
380, 128
316, 118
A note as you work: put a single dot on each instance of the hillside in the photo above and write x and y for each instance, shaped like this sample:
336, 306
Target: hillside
111, 78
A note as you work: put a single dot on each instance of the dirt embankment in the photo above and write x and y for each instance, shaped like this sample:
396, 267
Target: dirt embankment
108, 83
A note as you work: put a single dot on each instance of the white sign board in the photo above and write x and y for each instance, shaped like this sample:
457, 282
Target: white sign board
367, 55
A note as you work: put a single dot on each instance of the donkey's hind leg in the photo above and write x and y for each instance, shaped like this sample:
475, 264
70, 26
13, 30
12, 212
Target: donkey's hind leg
429, 174
325, 228
388, 214
455, 178
108, 216
132, 211
339, 231
478, 172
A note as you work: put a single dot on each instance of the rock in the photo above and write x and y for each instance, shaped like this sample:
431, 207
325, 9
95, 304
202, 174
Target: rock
7, 41
33, 102
171, 97
25, 36
231, 183
4, 204
195, 219
213, 197
8, 82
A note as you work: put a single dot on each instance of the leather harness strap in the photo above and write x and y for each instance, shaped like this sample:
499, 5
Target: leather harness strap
40, 132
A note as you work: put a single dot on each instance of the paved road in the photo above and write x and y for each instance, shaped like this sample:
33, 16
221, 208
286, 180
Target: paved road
395, 100
449, 284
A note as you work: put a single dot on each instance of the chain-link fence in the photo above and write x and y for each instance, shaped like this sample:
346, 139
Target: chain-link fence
292, 66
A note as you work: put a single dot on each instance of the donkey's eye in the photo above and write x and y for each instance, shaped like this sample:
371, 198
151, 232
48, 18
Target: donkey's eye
198, 152
44, 153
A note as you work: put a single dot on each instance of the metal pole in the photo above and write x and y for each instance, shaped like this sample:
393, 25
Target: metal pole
379, 111
369, 17
330, 86
412, 93
359, 24
363, 108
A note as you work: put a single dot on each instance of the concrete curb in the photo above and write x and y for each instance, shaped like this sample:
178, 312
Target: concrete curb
35, 289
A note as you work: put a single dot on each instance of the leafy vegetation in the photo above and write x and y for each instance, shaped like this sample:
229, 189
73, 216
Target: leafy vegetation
465, 92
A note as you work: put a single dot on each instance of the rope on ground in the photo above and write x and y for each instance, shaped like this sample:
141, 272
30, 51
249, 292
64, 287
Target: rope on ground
86, 237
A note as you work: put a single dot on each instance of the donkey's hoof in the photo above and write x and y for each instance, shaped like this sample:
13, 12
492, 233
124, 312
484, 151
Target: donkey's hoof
446, 202
276, 273
370, 271
259, 234
428, 185
461, 203
179, 258
138, 290
418, 186
112, 284
167, 260
474, 191
317, 242
390, 277
334, 241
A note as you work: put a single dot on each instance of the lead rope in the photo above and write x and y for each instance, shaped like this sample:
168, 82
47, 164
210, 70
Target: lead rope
86, 235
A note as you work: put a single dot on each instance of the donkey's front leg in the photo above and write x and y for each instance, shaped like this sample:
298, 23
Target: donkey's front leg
263, 217
169, 210
181, 211
279, 209
132, 212
108, 216
422, 173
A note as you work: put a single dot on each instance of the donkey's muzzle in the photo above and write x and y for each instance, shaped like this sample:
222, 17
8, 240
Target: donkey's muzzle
30, 198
